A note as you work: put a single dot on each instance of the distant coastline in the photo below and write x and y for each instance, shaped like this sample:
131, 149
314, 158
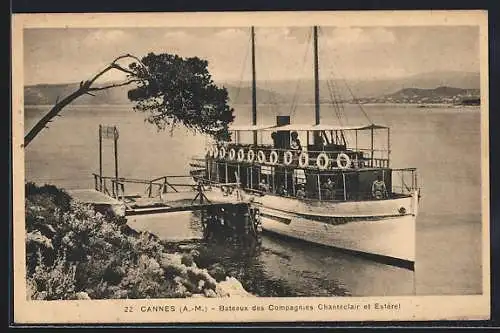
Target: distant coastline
453, 88
80, 105
402, 105
421, 105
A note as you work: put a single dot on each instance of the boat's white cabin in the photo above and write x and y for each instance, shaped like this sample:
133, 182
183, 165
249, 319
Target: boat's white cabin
319, 162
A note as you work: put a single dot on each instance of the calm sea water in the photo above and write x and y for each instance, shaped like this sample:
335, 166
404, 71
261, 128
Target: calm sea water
443, 143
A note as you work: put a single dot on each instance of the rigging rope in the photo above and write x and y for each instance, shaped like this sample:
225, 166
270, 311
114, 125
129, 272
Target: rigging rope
294, 105
349, 88
333, 98
339, 98
334, 102
242, 71
356, 101
272, 97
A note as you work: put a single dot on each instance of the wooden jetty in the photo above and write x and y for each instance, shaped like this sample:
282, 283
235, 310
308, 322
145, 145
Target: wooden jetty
100, 201
160, 195
123, 197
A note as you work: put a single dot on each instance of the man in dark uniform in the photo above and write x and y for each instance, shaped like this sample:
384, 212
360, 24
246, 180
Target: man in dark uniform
379, 190
329, 187
295, 143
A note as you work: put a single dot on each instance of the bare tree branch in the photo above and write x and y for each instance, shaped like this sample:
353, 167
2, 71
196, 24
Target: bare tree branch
115, 85
112, 65
84, 88
120, 68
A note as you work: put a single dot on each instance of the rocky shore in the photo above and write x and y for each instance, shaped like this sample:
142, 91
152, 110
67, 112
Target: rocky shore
72, 252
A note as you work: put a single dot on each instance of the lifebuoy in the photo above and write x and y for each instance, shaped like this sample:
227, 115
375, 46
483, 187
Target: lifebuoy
303, 160
287, 157
216, 152
273, 158
250, 156
322, 161
241, 155
346, 158
261, 157
222, 152
232, 154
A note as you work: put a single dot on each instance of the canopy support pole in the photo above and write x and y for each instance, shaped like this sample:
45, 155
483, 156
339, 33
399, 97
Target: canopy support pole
388, 147
319, 187
345, 191
251, 177
356, 139
371, 147
226, 176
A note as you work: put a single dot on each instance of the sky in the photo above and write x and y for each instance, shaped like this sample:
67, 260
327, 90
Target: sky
285, 53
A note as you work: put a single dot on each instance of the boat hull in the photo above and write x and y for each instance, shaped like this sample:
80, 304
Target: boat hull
383, 230
390, 240
366, 208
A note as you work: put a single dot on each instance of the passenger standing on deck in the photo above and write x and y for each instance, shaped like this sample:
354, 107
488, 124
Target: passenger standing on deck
282, 190
301, 194
379, 190
329, 187
295, 143
263, 186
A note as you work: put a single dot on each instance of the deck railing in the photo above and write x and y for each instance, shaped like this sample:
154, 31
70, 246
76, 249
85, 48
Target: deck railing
404, 181
157, 187
348, 184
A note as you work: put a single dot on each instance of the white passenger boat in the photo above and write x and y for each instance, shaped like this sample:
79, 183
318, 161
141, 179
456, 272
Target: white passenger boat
337, 189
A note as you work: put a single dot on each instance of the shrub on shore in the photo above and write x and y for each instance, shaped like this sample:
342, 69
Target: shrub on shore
72, 252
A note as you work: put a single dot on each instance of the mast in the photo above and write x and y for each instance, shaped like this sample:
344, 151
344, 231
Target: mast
316, 76
254, 88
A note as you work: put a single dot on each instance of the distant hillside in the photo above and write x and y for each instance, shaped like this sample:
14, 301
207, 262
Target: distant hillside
50, 93
279, 91
430, 93
243, 95
446, 95
47, 94
303, 90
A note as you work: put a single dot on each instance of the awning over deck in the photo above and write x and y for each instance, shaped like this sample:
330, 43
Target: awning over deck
250, 127
305, 127
322, 127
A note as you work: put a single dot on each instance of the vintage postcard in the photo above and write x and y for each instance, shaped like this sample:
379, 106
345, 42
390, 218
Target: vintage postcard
250, 167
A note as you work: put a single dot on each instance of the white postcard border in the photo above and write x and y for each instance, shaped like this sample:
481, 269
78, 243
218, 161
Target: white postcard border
207, 310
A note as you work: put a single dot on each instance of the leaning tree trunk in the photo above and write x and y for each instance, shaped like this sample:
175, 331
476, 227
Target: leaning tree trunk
85, 88
40, 125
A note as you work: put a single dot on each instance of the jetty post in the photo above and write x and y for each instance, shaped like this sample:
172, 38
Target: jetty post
226, 219
115, 145
108, 132
100, 157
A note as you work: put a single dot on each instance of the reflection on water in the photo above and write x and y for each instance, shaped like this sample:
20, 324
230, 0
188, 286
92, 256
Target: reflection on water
282, 267
444, 144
